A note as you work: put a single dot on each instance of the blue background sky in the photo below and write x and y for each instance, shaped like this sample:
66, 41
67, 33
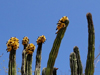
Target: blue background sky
32, 18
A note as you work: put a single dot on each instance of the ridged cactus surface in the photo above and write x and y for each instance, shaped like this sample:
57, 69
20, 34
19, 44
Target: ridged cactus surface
79, 63
54, 51
12, 46
25, 42
91, 46
73, 63
39, 41
29, 50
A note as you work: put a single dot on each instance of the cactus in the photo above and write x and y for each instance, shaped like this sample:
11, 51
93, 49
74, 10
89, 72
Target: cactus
25, 42
29, 50
73, 63
79, 63
54, 51
91, 46
39, 41
12, 46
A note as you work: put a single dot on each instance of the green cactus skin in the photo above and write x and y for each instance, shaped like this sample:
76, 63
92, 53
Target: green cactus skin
44, 71
79, 63
73, 64
38, 60
29, 64
12, 63
24, 56
91, 46
54, 51
53, 73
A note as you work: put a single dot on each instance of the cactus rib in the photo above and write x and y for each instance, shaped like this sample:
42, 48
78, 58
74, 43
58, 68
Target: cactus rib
12, 63
24, 56
79, 63
38, 59
91, 46
73, 63
54, 51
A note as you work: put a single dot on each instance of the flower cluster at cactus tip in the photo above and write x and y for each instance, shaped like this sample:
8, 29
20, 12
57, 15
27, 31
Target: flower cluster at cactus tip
30, 48
25, 40
41, 39
12, 44
61, 23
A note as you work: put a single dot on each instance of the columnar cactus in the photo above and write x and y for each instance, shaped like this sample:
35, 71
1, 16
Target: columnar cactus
61, 27
73, 63
91, 46
39, 41
25, 42
79, 63
12, 46
29, 50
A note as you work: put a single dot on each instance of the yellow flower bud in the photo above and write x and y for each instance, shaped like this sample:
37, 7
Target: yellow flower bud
30, 48
41, 39
25, 40
13, 43
61, 23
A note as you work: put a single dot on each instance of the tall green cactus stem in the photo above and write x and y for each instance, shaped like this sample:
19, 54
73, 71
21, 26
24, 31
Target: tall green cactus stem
79, 63
29, 64
91, 46
12, 63
54, 51
24, 57
38, 60
73, 64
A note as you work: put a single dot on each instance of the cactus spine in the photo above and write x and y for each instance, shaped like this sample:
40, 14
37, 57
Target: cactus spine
91, 46
73, 63
79, 63
54, 51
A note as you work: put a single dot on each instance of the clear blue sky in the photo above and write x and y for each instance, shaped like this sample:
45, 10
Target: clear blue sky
32, 18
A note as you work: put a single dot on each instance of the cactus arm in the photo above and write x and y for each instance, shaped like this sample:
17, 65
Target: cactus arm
54, 51
73, 63
79, 63
24, 56
12, 63
29, 65
38, 59
29, 62
91, 46
12, 46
